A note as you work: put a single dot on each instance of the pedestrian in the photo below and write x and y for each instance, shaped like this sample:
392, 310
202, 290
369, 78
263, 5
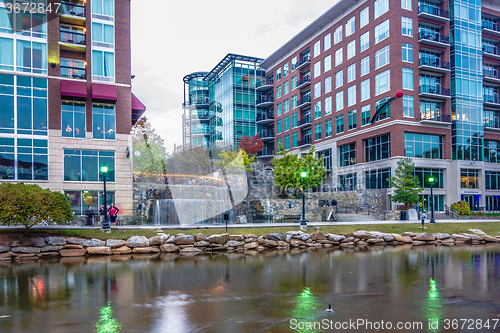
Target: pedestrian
90, 216
113, 213
334, 205
102, 215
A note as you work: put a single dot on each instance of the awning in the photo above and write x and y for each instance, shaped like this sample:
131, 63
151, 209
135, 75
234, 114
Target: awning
74, 88
137, 109
105, 92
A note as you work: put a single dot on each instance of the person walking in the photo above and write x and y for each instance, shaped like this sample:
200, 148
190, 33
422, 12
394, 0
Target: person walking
113, 213
90, 216
102, 215
334, 205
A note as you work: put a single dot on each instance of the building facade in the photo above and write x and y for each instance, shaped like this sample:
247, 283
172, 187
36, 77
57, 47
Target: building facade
331, 83
65, 98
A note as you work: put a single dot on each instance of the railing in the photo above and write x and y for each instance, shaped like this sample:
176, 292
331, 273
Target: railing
73, 72
490, 99
266, 134
305, 121
305, 141
266, 82
305, 99
303, 61
435, 37
436, 62
444, 118
490, 72
433, 11
202, 116
266, 152
264, 99
306, 79
72, 37
490, 25
266, 116
490, 49
437, 90
72, 9
491, 123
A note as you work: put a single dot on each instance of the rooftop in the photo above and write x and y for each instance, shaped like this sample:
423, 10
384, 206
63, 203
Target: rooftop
227, 59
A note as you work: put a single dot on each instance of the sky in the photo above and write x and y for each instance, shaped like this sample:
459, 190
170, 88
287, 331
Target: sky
171, 39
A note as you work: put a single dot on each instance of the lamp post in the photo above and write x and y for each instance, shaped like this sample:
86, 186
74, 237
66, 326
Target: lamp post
303, 223
105, 225
431, 181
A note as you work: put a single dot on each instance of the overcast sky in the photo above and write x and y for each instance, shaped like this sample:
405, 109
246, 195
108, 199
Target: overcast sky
173, 38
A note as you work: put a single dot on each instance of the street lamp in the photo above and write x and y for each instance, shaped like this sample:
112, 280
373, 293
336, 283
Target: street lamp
431, 181
105, 225
303, 223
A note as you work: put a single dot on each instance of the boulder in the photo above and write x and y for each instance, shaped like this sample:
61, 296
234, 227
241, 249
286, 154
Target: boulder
75, 240
314, 245
362, 234
158, 240
218, 239
73, 246
121, 250
348, 234
423, 237
387, 237
94, 242
26, 256
267, 243
233, 243
260, 248
409, 234
305, 237
238, 238
251, 245
283, 244
190, 250
474, 237
491, 239
51, 248
250, 236
460, 238
361, 243
99, 250
448, 240
49, 254
170, 240
376, 234
296, 242
199, 237
55, 241
287, 238
7, 255
250, 240
26, 249
349, 239
146, 249
137, 241
335, 237
184, 240
478, 231
27, 242
217, 247
169, 248
73, 253
114, 243
4, 248
404, 239
416, 243
202, 243
318, 236
348, 244
375, 240
441, 235
278, 236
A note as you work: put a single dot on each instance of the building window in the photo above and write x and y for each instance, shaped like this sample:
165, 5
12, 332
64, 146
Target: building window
328, 63
340, 123
380, 7
469, 178
328, 105
424, 173
491, 151
103, 33
278, 74
365, 115
103, 7
337, 35
73, 119
423, 146
317, 110
339, 101
294, 82
386, 112
351, 119
278, 126
317, 69
326, 155
285, 88
317, 132
294, 101
407, 52
327, 42
492, 180
285, 69
382, 31
348, 182
287, 142
317, 89
365, 90
286, 123
294, 63
339, 79
339, 58
278, 109
364, 41
351, 73
295, 139
351, 49
317, 48
350, 26
351, 96
286, 106
103, 64
347, 154
31, 56
294, 119
365, 66
377, 148
364, 17
80, 200
279, 143
407, 26
382, 57
328, 128
377, 179
430, 110
408, 78
278, 92
328, 84
406, 4
407, 106
26, 160
103, 120
383, 82
491, 118
85, 165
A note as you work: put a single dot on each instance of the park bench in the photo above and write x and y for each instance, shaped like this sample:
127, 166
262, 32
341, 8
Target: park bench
294, 218
263, 218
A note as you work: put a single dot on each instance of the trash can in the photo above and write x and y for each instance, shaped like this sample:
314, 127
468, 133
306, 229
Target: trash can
402, 215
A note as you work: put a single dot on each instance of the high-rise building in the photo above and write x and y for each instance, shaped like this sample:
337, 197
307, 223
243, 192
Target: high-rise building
333, 79
66, 106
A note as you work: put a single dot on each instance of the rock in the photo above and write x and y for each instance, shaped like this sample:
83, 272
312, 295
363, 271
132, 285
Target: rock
335, 237
199, 237
278, 236
114, 243
55, 241
7, 254
448, 241
314, 245
283, 244
73, 253
251, 245
404, 239
51, 248
375, 240
305, 237
423, 237
94, 242
184, 240
288, 237
184, 246
218, 239
169, 248
146, 249
296, 242
27, 242
202, 243
474, 237
49, 254
440, 235
75, 240
73, 246
234, 243
460, 238
491, 239
348, 244
387, 237
362, 234
158, 240
475, 241
238, 238
294, 233
348, 234
268, 243
121, 250
349, 240
4, 248
26, 256
409, 234
190, 250
376, 234
478, 231
99, 250
26, 250
416, 243
217, 248
250, 236
137, 241
318, 236
250, 240
361, 243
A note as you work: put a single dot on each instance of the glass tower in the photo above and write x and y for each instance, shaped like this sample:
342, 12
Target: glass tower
195, 118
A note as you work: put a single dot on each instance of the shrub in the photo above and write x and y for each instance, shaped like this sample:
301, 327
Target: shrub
461, 208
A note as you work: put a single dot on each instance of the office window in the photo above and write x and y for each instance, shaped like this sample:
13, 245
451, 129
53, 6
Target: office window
278, 109
317, 89
364, 41
294, 82
104, 33
365, 90
339, 101
294, 119
351, 73
317, 131
327, 42
351, 119
382, 31
407, 26
424, 173
347, 154
406, 4
377, 148
386, 111
423, 146
287, 142
328, 128
103, 64
85, 165
339, 57
339, 79
380, 7
278, 126
286, 106
492, 151
407, 52
317, 69
317, 49
382, 82
295, 139
492, 181
408, 78
328, 63
278, 92
285, 69
328, 105
340, 124
328, 84
351, 96
348, 182
365, 66
294, 101
103, 7
294, 63
278, 74
73, 119
80, 200
337, 35
364, 17
382, 57
351, 49
28, 160
317, 110
377, 179
408, 106
286, 123
285, 88
350, 26
103, 120
365, 115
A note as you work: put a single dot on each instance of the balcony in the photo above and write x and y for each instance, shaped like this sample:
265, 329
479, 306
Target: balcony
304, 122
197, 103
264, 119
491, 75
491, 28
266, 153
491, 51
304, 101
72, 13
433, 13
265, 102
264, 85
203, 116
491, 100
434, 91
304, 142
303, 63
304, 82
73, 72
433, 39
492, 126
266, 135
434, 65
72, 41
435, 118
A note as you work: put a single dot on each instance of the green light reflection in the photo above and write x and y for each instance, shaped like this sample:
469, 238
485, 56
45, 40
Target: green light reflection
306, 311
433, 306
106, 323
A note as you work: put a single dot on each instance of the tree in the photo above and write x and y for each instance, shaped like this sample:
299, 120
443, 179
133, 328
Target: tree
406, 185
150, 160
195, 161
228, 160
23, 204
287, 169
252, 145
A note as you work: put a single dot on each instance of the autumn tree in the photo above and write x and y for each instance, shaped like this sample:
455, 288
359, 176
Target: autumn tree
252, 145
148, 149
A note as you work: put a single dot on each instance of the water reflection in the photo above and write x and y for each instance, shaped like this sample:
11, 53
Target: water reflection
107, 323
251, 292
